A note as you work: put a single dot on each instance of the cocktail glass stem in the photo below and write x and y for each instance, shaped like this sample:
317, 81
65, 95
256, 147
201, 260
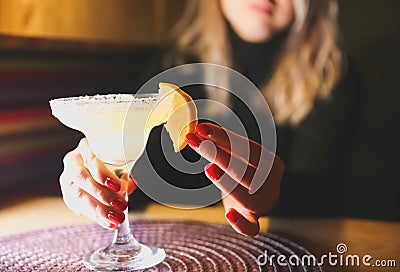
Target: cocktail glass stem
123, 233
124, 252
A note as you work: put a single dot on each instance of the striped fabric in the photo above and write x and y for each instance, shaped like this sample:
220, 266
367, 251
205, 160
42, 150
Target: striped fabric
32, 141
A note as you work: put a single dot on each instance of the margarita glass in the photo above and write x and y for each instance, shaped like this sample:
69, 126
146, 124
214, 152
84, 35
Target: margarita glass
102, 119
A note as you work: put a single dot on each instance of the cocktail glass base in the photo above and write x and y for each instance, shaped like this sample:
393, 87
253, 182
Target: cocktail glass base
116, 258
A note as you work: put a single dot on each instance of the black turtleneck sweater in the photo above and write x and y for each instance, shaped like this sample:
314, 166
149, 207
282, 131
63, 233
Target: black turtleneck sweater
316, 151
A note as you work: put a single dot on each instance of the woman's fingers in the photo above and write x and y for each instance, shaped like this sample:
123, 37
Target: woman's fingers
247, 175
233, 166
246, 225
237, 155
97, 169
76, 175
235, 195
84, 194
83, 203
230, 187
231, 142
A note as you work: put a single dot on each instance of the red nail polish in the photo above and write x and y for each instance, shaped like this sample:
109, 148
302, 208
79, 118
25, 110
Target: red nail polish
232, 216
214, 171
112, 226
119, 204
203, 130
193, 140
117, 218
113, 185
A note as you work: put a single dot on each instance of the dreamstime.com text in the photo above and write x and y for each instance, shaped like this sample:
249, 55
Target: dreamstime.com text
338, 259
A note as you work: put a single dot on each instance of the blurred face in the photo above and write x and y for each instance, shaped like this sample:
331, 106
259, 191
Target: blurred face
256, 21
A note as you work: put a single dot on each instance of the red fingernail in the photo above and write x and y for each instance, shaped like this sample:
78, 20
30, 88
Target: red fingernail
193, 140
232, 216
203, 130
112, 226
119, 204
214, 171
117, 218
113, 185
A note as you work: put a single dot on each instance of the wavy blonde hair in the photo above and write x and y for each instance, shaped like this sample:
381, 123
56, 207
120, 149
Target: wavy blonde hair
310, 63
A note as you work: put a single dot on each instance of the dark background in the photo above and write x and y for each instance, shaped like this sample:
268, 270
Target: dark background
372, 37
34, 70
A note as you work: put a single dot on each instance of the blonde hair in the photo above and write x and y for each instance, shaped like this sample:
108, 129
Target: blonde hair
310, 63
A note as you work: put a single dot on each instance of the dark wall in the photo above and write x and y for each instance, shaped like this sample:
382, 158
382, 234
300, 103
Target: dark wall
372, 37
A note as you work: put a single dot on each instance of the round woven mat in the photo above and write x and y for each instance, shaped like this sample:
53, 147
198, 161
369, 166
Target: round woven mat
189, 245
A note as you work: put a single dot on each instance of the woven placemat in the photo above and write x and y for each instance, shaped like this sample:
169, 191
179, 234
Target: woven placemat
189, 245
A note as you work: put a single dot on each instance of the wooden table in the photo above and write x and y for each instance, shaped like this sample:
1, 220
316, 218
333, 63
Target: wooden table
320, 236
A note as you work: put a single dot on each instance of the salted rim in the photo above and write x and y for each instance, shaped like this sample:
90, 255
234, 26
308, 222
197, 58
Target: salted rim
106, 102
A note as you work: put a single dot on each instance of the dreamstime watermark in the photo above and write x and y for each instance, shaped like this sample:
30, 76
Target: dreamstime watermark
338, 259
217, 82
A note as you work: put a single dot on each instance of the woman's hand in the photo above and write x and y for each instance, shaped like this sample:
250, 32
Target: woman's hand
89, 188
239, 169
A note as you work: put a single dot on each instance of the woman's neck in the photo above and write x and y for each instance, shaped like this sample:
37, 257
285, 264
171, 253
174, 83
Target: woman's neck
256, 60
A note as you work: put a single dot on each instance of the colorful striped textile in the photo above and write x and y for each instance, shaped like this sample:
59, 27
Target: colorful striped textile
32, 141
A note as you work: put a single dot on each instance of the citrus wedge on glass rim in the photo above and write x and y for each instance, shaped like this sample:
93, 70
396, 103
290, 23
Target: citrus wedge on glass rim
177, 111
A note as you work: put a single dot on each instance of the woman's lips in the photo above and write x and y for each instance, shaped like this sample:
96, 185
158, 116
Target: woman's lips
262, 7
